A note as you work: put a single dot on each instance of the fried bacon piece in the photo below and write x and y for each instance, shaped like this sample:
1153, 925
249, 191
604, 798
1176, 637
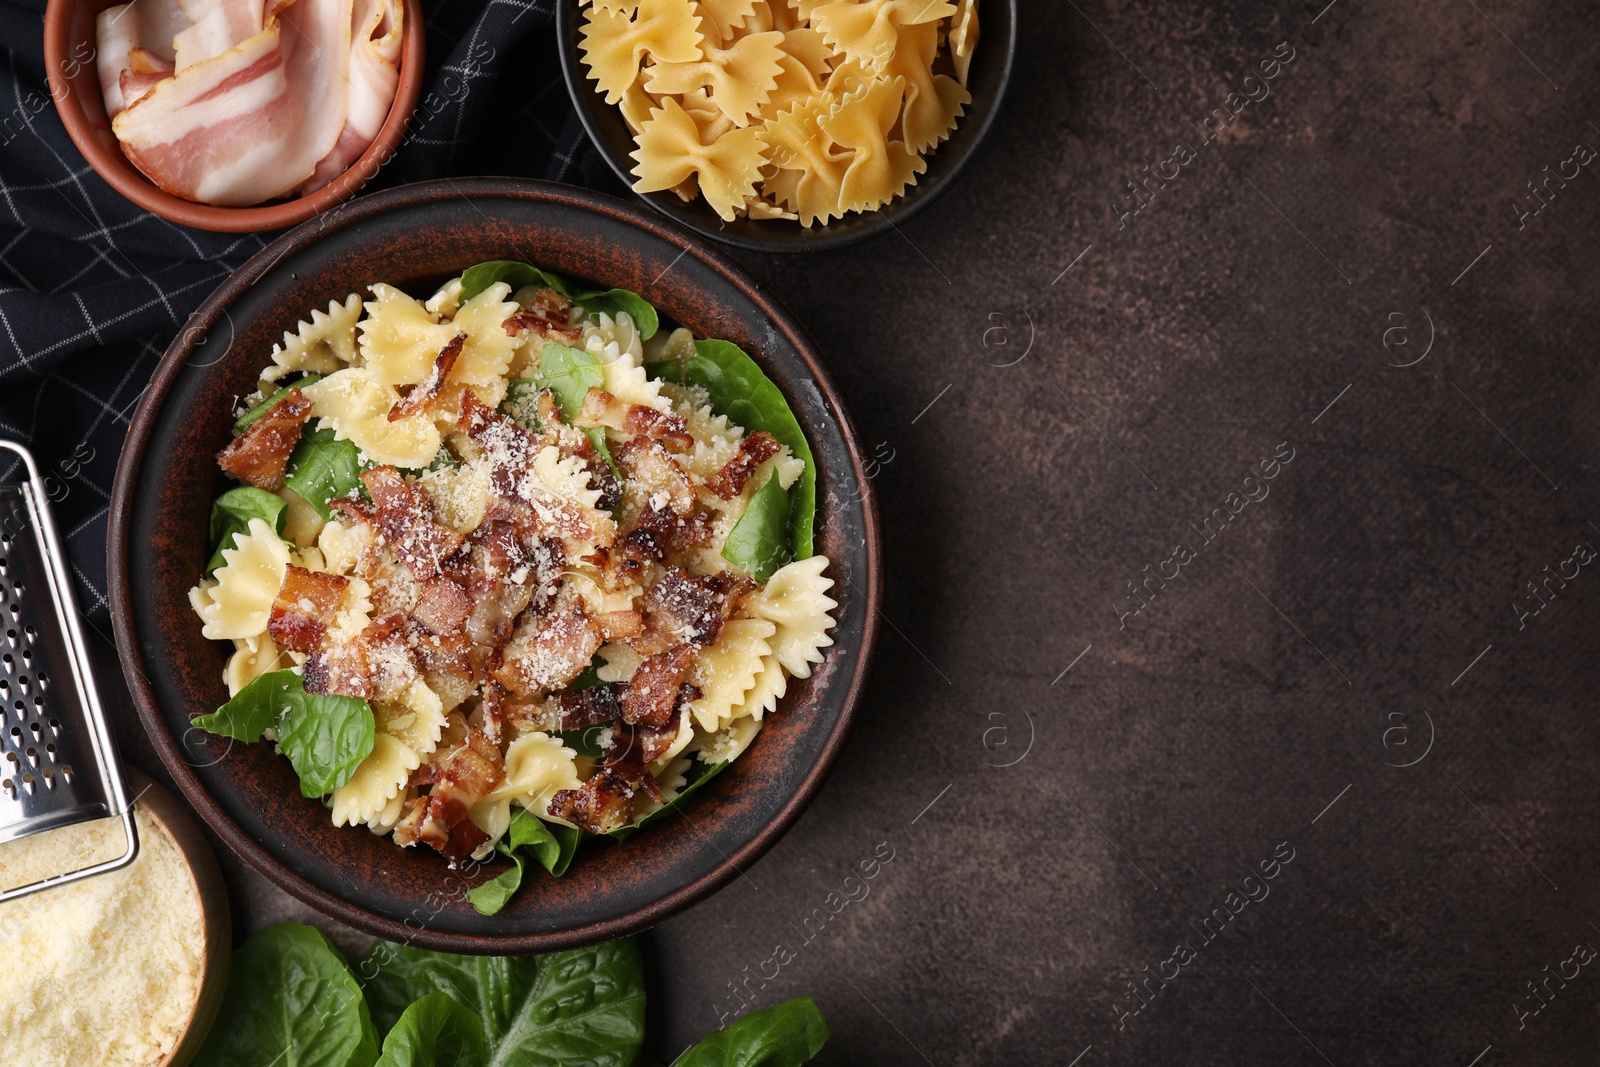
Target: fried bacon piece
424, 392
260, 455
441, 819
305, 608
652, 694
588, 707
692, 607
658, 533
626, 758
378, 663
604, 803
754, 450
547, 315
442, 605
509, 449
405, 517
618, 625
649, 465
547, 653
661, 426
448, 653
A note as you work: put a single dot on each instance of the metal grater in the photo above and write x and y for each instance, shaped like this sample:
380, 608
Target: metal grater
58, 764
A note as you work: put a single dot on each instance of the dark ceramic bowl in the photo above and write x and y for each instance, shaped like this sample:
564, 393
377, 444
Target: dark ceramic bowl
416, 237
987, 81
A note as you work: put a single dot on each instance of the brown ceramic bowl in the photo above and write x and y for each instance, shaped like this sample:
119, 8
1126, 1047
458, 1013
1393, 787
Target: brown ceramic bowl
417, 236
69, 43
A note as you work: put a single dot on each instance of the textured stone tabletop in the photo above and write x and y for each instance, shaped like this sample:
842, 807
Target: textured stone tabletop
1236, 695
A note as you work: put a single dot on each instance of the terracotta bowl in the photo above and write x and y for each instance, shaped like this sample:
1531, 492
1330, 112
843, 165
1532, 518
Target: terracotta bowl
69, 43
989, 76
416, 237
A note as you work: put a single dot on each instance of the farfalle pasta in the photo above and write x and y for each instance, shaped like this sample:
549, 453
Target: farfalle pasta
782, 109
507, 548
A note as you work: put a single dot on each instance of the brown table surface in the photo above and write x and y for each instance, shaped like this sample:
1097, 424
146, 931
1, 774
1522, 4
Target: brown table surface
1352, 672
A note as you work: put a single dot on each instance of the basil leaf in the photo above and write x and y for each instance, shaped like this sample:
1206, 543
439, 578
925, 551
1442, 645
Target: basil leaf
325, 737
494, 894
254, 708
266, 405
323, 469
435, 1032
741, 390
231, 514
612, 301
759, 541
569, 373
292, 1000
785, 1035
476, 279
584, 1006
622, 833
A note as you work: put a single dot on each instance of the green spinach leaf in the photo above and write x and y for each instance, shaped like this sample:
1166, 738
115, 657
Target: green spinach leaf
569, 373
255, 707
785, 1035
553, 846
585, 742
266, 405
476, 279
291, 1000
759, 541
323, 469
671, 807
584, 1006
435, 1032
325, 737
231, 514
740, 390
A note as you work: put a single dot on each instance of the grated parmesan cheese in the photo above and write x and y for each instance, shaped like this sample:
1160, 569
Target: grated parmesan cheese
107, 970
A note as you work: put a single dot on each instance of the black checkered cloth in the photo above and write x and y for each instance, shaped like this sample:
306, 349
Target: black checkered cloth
92, 288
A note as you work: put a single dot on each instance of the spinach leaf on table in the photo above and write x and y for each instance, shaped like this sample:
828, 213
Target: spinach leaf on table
325, 737
231, 514
322, 468
435, 1032
584, 1006
291, 1000
785, 1035
741, 390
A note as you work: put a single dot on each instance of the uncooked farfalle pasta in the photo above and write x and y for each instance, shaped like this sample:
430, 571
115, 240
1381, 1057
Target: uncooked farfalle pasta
502, 572
783, 109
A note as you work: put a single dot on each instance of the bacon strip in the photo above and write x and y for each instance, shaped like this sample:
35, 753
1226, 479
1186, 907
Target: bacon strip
604, 803
306, 606
545, 654
652, 693
693, 607
754, 450
374, 77
547, 315
378, 663
423, 393
661, 426
406, 518
442, 819
260, 455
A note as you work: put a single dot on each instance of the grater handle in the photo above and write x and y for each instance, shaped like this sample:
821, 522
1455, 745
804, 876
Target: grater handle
77, 649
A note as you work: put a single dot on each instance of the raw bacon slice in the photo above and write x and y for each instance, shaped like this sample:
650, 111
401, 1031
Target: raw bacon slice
374, 77
217, 26
260, 455
149, 25
252, 123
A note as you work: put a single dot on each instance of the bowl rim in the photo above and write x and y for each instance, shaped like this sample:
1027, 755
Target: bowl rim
882, 219
118, 171
119, 562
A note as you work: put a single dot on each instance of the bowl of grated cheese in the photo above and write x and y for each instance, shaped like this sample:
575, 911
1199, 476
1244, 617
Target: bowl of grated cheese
124, 969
